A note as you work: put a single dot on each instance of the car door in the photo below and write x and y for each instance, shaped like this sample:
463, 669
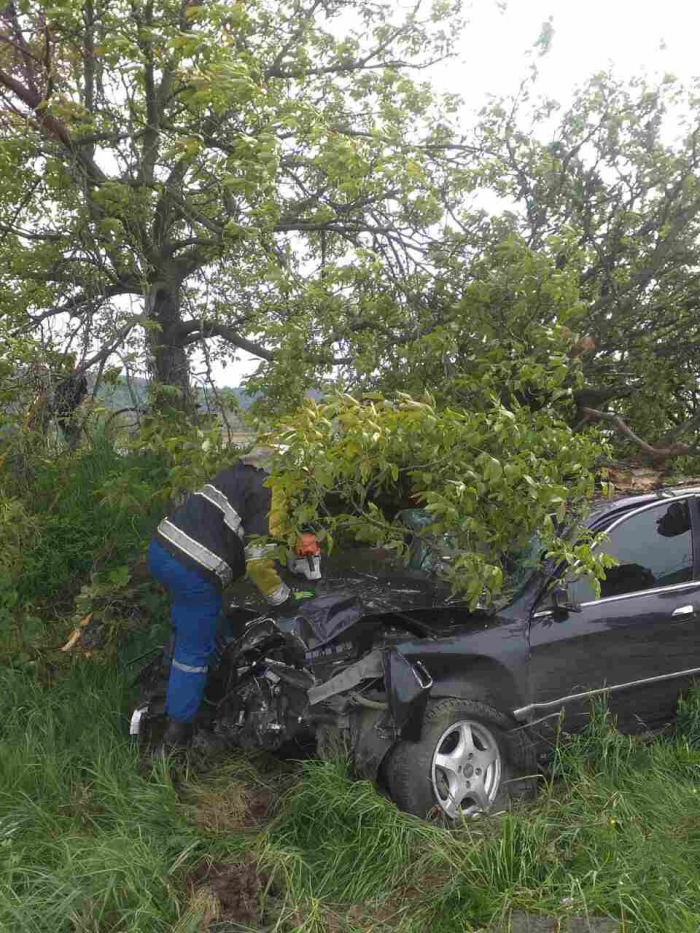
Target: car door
638, 644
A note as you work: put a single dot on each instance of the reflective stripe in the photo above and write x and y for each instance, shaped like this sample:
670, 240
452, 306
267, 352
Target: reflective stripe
217, 498
278, 596
259, 552
196, 551
136, 717
188, 669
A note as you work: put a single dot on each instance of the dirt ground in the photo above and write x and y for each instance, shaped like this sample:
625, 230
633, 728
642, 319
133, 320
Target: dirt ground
232, 892
528, 923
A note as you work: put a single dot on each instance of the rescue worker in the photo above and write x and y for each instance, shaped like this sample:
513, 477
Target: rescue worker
198, 550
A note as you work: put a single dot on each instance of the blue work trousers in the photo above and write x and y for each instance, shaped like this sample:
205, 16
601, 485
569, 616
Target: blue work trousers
195, 613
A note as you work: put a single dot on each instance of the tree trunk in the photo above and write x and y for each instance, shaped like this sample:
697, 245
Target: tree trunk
170, 365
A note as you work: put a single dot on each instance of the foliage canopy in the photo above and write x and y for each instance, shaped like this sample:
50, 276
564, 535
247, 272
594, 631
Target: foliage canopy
276, 178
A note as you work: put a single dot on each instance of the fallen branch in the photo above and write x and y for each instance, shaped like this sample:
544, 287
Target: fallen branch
655, 453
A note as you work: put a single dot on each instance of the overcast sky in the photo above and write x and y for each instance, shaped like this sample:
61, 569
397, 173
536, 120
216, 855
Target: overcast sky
634, 37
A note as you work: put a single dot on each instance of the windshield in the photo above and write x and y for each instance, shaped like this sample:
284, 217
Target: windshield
432, 554
520, 563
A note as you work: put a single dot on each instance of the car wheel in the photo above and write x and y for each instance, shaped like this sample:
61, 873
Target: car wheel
470, 760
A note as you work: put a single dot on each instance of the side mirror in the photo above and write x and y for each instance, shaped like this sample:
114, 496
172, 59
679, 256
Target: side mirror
560, 598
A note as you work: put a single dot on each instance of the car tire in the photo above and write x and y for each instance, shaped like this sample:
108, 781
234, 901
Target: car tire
470, 760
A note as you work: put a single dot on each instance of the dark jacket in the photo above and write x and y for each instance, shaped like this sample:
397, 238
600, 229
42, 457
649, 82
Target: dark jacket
206, 533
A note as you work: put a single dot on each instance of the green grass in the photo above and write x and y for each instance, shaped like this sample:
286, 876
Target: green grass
616, 834
86, 841
92, 841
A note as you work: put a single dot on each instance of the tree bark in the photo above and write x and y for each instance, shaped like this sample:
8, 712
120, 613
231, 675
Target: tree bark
169, 361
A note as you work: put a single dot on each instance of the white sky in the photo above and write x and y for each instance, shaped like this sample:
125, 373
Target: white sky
634, 37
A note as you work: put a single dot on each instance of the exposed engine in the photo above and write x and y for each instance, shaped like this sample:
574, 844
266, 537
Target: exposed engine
333, 675
265, 707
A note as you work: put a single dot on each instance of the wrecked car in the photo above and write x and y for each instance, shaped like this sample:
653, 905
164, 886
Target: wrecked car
453, 710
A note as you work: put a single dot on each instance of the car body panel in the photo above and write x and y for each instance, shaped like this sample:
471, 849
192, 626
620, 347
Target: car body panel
533, 658
493, 658
537, 661
618, 643
641, 647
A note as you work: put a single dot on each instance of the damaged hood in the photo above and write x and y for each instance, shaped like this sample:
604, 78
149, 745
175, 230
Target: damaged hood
381, 585
382, 582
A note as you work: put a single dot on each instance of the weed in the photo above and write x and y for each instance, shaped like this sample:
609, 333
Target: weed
85, 526
687, 725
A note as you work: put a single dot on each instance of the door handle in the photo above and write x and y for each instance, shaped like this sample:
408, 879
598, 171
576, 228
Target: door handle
683, 611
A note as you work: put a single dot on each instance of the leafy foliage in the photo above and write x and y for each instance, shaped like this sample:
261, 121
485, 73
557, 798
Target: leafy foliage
608, 189
272, 176
83, 529
491, 477
190, 454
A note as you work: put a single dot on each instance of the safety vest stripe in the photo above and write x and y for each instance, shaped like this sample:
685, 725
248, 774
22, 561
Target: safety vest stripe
188, 669
218, 499
196, 551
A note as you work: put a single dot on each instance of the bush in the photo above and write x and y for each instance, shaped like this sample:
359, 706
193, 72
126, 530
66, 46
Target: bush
84, 527
73, 532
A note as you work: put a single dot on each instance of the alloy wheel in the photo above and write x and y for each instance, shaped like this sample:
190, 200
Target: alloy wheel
466, 769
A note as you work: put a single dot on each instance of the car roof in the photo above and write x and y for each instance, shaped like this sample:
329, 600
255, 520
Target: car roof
626, 502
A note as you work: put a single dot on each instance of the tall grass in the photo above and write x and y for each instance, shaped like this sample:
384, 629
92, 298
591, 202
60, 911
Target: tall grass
93, 841
615, 832
96, 509
351, 843
86, 841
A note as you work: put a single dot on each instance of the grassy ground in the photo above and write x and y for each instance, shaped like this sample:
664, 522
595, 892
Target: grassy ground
93, 842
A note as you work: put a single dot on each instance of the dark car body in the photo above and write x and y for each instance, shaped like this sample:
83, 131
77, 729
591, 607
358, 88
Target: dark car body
547, 654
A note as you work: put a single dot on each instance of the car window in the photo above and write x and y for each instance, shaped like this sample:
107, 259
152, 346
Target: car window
520, 563
654, 548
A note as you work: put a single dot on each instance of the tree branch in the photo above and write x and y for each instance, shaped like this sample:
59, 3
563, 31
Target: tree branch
71, 305
655, 453
191, 331
54, 127
106, 351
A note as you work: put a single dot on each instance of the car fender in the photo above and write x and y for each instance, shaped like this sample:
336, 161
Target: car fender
375, 734
490, 665
482, 679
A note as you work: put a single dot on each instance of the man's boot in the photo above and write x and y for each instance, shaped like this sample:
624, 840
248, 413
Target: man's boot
176, 739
